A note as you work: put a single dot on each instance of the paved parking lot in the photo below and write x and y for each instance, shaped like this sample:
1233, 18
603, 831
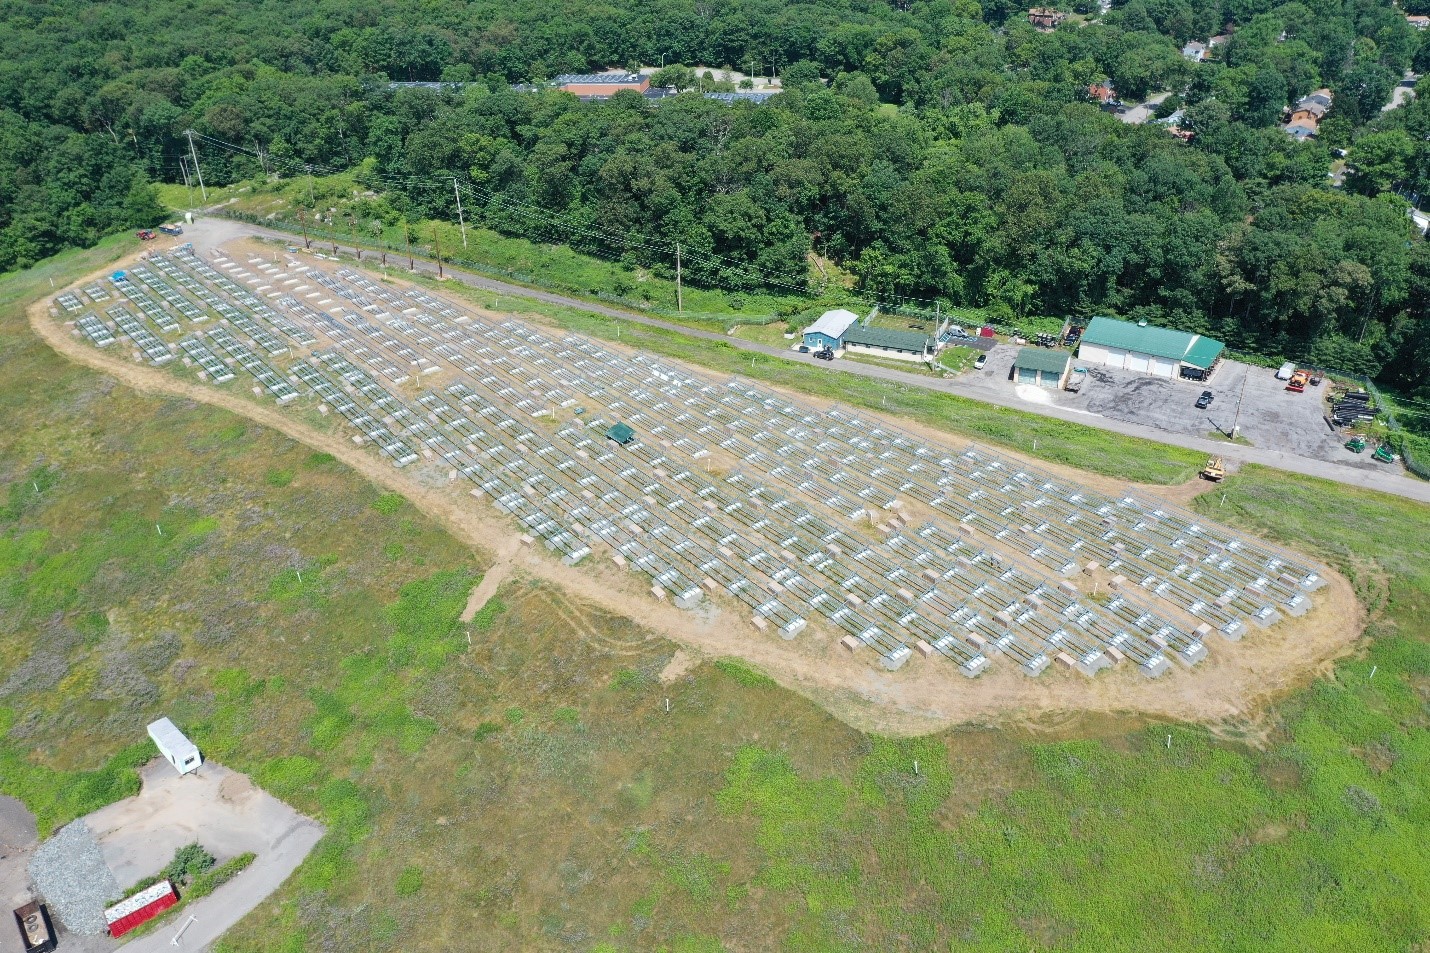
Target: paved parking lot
1271, 416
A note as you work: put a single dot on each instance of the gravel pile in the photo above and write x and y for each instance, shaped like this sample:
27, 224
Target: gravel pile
71, 874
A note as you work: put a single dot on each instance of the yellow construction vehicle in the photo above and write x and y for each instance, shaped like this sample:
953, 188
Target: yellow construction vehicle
1214, 470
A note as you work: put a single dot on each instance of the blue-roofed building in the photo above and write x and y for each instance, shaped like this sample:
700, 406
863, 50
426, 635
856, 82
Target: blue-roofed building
829, 330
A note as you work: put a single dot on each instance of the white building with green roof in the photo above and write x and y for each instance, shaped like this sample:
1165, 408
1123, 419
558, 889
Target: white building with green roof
1160, 352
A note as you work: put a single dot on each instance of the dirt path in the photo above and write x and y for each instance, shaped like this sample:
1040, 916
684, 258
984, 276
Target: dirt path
681, 662
926, 695
491, 580
1395, 481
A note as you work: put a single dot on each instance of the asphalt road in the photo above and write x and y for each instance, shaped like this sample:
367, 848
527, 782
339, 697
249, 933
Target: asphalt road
209, 232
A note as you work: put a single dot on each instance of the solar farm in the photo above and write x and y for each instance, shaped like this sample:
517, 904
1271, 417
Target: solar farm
713, 490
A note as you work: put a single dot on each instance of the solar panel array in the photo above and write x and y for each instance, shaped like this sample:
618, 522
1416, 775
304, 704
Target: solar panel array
732, 490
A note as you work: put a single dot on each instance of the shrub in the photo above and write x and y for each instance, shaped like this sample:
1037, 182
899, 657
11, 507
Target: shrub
206, 883
189, 862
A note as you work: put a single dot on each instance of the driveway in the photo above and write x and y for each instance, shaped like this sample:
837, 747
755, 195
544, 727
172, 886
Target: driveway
1142, 112
224, 812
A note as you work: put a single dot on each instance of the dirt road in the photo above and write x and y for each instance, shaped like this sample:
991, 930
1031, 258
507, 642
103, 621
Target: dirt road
924, 696
210, 232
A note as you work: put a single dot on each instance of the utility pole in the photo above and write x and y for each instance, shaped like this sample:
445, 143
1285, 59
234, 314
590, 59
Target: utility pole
1240, 398
303, 221
679, 298
460, 216
437, 242
311, 201
197, 171
188, 186
406, 237
352, 220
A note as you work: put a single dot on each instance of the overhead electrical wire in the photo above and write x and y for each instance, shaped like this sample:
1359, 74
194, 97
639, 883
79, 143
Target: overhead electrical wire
665, 248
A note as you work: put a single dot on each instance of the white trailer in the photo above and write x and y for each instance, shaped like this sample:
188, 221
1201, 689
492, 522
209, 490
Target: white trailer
175, 746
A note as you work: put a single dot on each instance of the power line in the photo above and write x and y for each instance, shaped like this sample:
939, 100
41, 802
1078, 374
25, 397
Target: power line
562, 223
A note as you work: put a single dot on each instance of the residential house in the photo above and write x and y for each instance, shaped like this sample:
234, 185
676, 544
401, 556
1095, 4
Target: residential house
1417, 21
1046, 18
1307, 114
1101, 93
1195, 51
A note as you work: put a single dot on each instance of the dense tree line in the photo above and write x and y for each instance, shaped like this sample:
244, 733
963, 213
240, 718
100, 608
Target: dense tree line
936, 149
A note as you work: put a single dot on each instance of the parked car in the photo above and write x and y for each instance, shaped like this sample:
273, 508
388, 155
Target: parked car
978, 364
825, 355
174, 229
804, 349
1205, 401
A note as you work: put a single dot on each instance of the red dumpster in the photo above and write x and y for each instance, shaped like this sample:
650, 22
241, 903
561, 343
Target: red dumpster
140, 908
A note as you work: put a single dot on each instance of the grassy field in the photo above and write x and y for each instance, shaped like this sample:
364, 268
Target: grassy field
528, 790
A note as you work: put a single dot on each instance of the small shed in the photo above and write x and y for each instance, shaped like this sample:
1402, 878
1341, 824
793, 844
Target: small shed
621, 434
1045, 368
829, 330
175, 746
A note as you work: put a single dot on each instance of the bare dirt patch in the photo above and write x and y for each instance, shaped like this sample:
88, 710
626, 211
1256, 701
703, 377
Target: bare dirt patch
492, 579
1230, 687
681, 662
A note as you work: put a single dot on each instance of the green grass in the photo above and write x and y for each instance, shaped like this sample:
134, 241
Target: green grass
528, 790
1125, 458
958, 358
535, 264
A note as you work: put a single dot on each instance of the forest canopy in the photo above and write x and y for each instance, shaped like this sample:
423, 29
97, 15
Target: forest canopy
939, 150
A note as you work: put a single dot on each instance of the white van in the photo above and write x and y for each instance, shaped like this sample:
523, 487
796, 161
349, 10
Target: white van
1287, 369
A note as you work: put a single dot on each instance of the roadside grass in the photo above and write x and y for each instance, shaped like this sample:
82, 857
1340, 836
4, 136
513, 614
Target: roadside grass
530, 790
909, 367
957, 358
1239, 440
537, 264
1125, 458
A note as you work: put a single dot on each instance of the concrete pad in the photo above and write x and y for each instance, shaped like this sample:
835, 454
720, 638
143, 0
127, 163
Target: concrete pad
221, 809
225, 812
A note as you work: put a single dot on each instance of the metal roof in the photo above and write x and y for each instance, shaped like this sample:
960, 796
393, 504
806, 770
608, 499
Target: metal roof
1041, 359
887, 338
621, 433
1203, 352
170, 739
598, 79
742, 96
1158, 342
833, 323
